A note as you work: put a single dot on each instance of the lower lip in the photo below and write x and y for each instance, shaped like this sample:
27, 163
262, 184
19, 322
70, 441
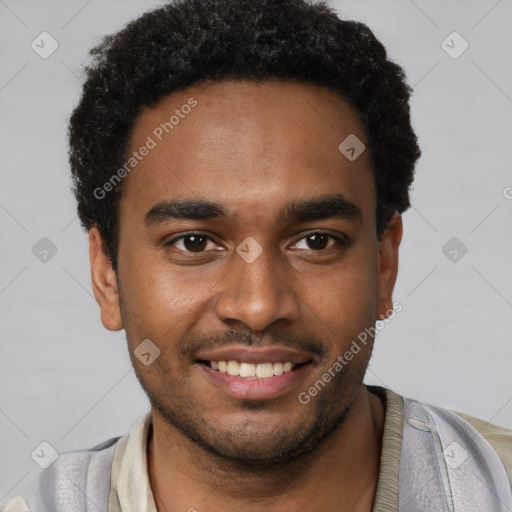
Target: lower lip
254, 388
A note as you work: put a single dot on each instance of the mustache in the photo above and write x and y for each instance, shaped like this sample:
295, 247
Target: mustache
209, 341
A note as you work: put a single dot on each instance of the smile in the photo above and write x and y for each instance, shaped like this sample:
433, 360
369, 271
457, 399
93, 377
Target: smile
251, 370
240, 381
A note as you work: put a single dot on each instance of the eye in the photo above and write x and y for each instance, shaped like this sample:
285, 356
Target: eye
192, 242
318, 241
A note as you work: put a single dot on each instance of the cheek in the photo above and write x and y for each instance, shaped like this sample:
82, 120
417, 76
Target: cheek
157, 296
342, 300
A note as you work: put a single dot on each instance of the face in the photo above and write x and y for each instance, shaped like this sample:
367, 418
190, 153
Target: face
248, 241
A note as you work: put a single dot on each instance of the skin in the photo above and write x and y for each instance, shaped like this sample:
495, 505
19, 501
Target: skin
252, 147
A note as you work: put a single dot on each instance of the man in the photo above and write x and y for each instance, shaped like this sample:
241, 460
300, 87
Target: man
241, 168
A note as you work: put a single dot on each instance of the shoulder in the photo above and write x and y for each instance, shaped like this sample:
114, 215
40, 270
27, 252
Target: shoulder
498, 437
73, 480
481, 436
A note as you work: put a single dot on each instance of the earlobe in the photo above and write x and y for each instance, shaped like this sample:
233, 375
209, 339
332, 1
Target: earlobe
104, 283
388, 265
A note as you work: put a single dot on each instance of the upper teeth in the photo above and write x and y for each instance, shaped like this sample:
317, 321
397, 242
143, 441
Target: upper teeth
261, 370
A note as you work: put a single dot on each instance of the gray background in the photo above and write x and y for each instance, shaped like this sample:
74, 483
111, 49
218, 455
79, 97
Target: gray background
67, 381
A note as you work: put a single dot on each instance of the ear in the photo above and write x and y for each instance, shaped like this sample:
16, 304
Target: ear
104, 283
388, 265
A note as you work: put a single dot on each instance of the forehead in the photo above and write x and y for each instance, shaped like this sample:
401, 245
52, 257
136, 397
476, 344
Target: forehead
248, 145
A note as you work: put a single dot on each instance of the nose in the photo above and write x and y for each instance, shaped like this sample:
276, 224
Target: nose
257, 293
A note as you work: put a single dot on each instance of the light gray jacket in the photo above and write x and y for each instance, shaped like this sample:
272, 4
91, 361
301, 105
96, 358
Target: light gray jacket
445, 466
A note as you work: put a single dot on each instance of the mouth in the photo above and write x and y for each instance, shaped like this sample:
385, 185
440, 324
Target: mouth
255, 373
264, 370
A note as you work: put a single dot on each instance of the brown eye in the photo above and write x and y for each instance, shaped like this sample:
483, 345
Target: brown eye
317, 241
193, 242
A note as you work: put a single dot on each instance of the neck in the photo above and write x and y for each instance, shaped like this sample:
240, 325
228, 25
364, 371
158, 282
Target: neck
340, 474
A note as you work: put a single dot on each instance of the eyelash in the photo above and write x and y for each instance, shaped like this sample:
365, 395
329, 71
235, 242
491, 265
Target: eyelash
342, 241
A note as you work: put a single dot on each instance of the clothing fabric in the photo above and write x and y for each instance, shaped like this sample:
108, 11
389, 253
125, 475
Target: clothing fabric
431, 459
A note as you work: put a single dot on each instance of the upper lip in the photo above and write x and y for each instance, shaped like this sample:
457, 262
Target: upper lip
249, 354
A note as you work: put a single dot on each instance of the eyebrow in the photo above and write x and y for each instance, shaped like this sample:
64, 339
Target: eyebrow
321, 208
184, 209
300, 210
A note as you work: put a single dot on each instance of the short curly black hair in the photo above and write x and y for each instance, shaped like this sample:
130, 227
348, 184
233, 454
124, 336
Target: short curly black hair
186, 42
